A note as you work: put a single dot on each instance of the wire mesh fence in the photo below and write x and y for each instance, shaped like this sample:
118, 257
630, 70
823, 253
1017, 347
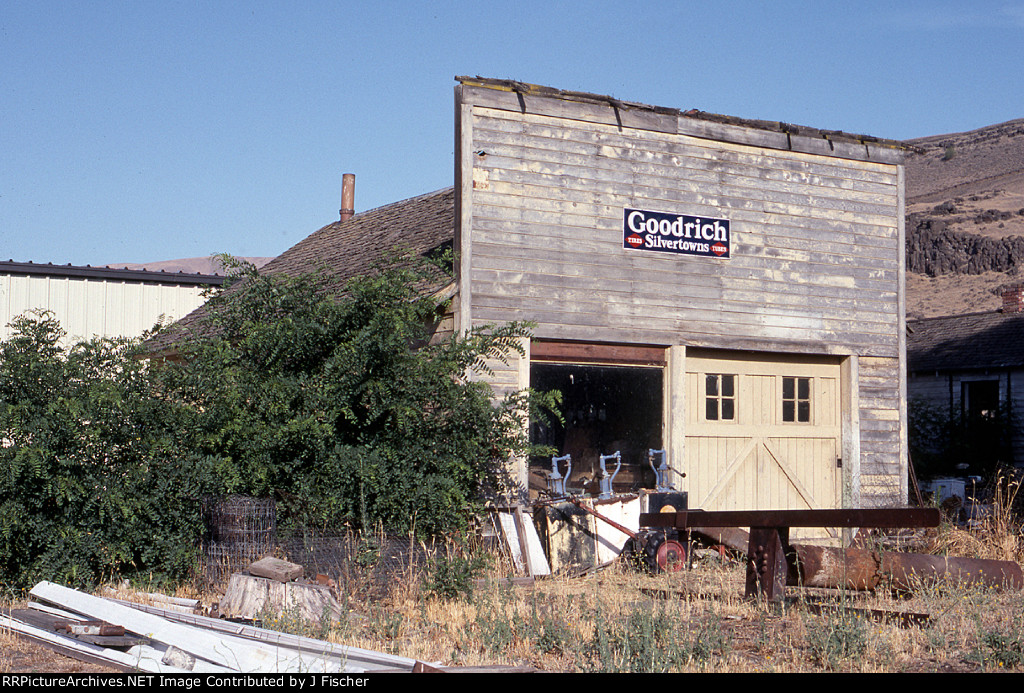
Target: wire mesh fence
241, 530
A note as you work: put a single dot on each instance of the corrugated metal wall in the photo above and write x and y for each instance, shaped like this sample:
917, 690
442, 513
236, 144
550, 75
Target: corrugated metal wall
89, 308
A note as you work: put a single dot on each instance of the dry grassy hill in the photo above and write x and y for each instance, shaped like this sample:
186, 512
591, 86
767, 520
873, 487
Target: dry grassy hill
192, 265
965, 219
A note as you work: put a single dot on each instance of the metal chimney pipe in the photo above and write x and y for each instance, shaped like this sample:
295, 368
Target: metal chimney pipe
348, 196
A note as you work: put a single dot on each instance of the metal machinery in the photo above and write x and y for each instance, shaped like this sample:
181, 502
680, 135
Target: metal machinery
556, 482
606, 479
654, 549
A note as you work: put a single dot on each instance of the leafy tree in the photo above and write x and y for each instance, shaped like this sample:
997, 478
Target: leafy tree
344, 404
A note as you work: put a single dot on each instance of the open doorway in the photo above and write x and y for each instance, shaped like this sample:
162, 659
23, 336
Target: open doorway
607, 409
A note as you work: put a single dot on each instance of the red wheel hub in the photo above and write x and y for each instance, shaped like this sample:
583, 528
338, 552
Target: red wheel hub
671, 556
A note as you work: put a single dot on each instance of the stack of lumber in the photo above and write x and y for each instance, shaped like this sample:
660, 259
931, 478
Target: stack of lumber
133, 637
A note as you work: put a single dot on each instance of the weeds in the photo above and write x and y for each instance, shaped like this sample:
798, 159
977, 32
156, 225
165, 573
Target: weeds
836, 636
291, 620
450, 575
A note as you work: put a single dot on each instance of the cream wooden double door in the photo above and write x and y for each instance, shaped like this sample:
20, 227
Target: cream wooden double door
762, 433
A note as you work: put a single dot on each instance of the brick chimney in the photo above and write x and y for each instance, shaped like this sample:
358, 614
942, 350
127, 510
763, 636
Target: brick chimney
1013, 299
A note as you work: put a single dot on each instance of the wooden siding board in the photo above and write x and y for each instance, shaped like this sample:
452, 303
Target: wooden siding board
575, 110
554, 298
594, 140
760, 181
624, 327
879, 284
556, 185
740, 290
830, 255
751, 219
680, 124
777, 318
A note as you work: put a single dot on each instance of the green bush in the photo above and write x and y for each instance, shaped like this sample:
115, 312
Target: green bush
343, 406
941, 441
450, 575
93, 478
337, 401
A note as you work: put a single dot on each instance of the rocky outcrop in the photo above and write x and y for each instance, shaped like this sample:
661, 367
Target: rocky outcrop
933, 249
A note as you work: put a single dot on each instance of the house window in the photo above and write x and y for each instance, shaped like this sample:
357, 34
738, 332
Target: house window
719, 397
980, 399
796, 400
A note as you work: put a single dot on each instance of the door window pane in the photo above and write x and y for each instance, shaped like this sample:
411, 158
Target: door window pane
719, 397
796, 400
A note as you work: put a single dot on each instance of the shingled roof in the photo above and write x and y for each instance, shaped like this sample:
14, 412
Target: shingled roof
966, 342
347, 249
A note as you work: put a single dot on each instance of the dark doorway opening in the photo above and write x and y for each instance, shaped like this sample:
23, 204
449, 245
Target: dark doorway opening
606, 409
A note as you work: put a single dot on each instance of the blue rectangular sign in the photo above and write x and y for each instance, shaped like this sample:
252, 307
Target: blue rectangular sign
662, 232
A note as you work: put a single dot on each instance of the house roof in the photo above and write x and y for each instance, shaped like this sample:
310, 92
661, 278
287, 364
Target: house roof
966, 342
347, 249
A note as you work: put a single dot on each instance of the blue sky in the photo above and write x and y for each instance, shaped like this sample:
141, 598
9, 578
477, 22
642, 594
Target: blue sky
142, 131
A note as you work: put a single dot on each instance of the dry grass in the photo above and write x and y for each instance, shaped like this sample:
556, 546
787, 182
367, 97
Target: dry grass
694, 620
690, 621
994, 532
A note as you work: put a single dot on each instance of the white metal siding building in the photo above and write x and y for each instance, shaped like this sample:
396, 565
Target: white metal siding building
98, 302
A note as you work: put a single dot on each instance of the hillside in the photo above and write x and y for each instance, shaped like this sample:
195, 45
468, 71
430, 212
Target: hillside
192, 265
965, 219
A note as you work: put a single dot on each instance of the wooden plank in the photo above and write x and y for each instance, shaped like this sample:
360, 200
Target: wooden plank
358, 659
577, 352
540, 139
511, 534
743, 318
223, 650
531, 546
646, 119
711, 202
276, 569
87, 652
560, 180
748, 217
741, 291
463, 243
544, 105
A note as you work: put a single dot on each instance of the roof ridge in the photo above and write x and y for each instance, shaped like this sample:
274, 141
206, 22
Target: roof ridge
961, 315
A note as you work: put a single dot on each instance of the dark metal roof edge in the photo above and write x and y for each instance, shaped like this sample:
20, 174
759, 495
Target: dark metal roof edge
768, 125
944, 368
123, 274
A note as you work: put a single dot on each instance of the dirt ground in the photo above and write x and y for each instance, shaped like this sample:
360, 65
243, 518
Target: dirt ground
20, 656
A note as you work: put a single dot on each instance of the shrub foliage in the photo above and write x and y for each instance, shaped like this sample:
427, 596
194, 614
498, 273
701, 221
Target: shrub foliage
93, 478
339, 404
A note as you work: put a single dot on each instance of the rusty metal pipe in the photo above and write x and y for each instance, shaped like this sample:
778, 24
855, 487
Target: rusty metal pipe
348, 196
861, 569
628, 532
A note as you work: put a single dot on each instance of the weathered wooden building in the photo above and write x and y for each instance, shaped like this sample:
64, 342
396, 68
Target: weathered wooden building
727, 290
969, 370
98, 301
